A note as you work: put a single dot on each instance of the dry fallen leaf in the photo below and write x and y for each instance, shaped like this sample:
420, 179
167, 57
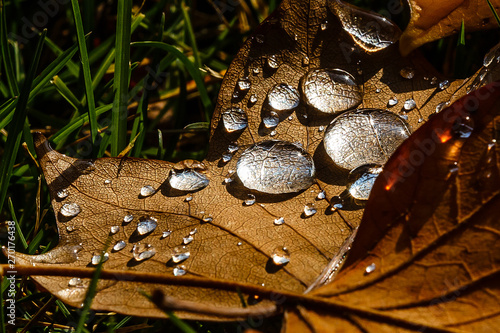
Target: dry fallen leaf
232, 242
433, 20
426, 254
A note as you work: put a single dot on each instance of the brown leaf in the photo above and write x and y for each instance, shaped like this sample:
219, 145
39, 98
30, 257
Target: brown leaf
426, 254
234, 241
433, 20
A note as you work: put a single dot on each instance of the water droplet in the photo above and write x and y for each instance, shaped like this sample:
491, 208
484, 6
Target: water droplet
324, 25
120, 245
434, 80
250, 200
194, 231
128, 218
70, 228
279, 221
371, 31
234, 119
147, 191
83, 166
404, 116
243, 84
283, 97
107, 181
444, 84
271, 120
309, 210
453, 167
232, 147
114, 229
259, 38
272, 62
361, 179
187, 180
290, 117
321, 195
253, 99
378, 90
226, 157
179, 270
364, 136
321, 128
70, 209
409, 104
331, 90
188, 239
236, 94
239, 243
305, 61
143, 251
75, 282
275, 167
280, 256
337, 203
96, 258
273, 133
491, 55
256, 70
441, 106
165, 234
180, 253
370, 268
407, 72
188, 198
207, 219
62, 193
463, 127
391, 102
147, 226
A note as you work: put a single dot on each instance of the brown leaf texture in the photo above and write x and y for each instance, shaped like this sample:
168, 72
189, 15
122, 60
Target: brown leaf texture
233, 241
433, 20
426, 254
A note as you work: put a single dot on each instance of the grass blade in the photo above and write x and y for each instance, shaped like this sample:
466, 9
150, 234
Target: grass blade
6, 55
72, 67
16, 126
190, 33
121, 82
495, 14
89, 93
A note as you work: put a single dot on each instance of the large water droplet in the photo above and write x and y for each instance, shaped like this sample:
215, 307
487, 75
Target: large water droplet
441, 106
364, 136
96, 258
280, 256
234, 119
250, 200
120, 245
243, 84
391, 102
321, 195
62, 193
331, 90
143, 251
180, 253
361, 179
70, 209
491, 55
187, 180
179, 270
147, 226
409, 104
271, 120
147, 191
275, 167
283, 97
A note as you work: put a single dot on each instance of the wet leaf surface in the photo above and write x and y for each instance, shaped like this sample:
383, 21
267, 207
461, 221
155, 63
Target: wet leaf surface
233, 232
433, 20
426, 253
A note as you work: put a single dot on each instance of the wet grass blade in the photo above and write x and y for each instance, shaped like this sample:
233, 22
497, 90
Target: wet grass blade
121, 82
15, 129
87, 78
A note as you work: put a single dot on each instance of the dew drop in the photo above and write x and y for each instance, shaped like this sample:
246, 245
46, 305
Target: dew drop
391, 102
434, 80
128, 218
120, 245
305, 61
409, 104
147, 226
179, 270
239, 243
324, 25
232, 147
194, 231
453, 167
378, 90
272, 62
283, 97
226, 157
180, 253
250, 200
96, 258
360, 180
275, 167
165, 234
259, 38
321, 128
279, 221
280, 256
107, 181
370, 268
207, 219
188, 198
234, 119
337, 203
256, 70
272, 120
143, 251
463, 127
290, 118
491, 55
331, 90
444, 84
243, 84
147, 191
70, 228
188, 239
321, 195
441, 106
309, 210
62, 193
273, 133
253, 98
187, 180
364, 136
70, 209
407, 72
114, 229
236, 94
75, 282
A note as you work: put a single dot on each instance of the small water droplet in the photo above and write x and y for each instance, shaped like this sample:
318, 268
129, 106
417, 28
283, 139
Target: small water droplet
107, 181
194, 231
444, 84
120, 245
283, 97
188, 198
453, 167
244, 84
256, 70
207, 219
236, 95
226, 157
280, 256
361, 179
62, 193
165, 234
259, 38
232, 147
290, 118
253, 98
180, 253
143, 251
491, 55
321, 195
441, 106
407, 72
434, 80
147, 191
234, 119
75, 282
391, 102
188, 180
463, 127
272, 62
370, 268
96, 258
309, 210
272, 120
273, 133
296, 37
250, 200
321, 128
114, 229
70, 209
239, 243
324, 25
188, 239
409, 104
331, 90
337, 203
404, 116
70, 228
305, 61
179, 270
128, 218
378, 90
279, 221
147, 226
